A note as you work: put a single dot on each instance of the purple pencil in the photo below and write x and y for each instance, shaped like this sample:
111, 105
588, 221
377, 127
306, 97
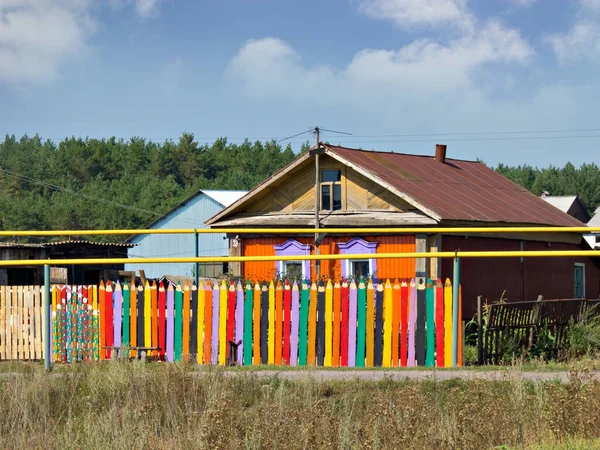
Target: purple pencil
118, 301
352, 295
215, 325
295, 324
239, 321
170, 321
412, 316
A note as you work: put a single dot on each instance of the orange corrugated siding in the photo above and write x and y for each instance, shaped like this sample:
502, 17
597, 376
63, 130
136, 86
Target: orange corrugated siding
386, 268
395, 268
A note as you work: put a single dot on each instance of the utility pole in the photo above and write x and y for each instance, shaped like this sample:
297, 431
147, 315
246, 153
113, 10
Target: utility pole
317, 202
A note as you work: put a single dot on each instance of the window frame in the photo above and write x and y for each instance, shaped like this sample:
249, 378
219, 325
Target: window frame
582, 265
357, 246
292, 247
331, 185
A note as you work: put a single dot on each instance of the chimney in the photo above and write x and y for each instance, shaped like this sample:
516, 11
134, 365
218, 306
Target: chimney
440, 153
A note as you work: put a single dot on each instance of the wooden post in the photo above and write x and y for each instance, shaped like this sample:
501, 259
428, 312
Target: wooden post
235, 249
479, 332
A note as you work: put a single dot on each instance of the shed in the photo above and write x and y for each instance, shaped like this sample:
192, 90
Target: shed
359, 188
569, 204
191, 213
72, 274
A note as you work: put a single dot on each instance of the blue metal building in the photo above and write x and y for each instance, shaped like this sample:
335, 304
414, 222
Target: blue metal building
192, 213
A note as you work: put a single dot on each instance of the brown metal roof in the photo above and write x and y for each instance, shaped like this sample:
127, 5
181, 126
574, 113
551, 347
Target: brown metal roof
456, 190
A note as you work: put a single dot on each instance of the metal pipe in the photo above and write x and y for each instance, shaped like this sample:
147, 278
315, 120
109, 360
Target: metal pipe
396, 230
47, 318
205, 259
455, 318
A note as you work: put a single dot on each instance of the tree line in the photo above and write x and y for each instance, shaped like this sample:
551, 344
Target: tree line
113, 183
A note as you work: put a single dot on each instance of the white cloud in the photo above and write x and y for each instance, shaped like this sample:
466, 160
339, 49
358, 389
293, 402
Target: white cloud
271, 68
523, 3
582, 41
145, 8
38, 36
410, 13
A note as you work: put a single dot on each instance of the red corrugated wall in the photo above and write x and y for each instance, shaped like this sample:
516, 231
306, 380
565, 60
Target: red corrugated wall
386, 268
495, 277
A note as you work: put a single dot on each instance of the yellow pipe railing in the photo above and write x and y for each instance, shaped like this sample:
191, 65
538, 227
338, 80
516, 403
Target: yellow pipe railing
205, 259
397, 230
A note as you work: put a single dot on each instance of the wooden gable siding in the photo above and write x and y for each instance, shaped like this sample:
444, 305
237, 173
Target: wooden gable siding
296, 193
386, 268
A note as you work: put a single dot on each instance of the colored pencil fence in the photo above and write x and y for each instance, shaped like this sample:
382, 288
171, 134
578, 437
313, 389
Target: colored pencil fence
362, 323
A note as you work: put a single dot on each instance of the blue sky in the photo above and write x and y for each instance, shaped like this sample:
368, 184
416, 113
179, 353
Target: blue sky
399, 74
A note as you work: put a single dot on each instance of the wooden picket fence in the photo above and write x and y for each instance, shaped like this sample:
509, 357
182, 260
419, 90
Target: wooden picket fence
20, 323
358, 324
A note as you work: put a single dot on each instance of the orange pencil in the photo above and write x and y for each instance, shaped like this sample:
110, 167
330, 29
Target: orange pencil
154, 314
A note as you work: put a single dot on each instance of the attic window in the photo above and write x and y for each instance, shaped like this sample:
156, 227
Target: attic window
331, 190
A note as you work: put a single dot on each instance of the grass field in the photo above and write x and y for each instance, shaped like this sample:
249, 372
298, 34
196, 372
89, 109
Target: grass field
135, 405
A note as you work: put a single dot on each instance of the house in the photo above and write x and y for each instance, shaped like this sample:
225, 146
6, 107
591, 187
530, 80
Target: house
358, 189
191, 213
569, 204
593, 239
72, 274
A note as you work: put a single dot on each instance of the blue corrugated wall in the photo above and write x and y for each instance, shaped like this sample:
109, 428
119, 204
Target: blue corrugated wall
193, 214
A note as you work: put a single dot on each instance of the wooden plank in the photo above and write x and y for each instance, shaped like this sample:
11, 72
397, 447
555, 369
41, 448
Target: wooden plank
336, 317
21, 332
370, 325
178, 324
141, 315
126, 312
303, 325
421, 320
327, 318
412, 319
312, 326
396, 301
278, 322
154, 317
147, 315
439, 323
345, 310
118, 315
38, 320
295, 322
448, 323
271, 335
256, 321
193, 341
404, 300
248, 330
14, 300
222, 323
231, 296
287, 324
3, 323
430, 313
185, 318
108, 311
170, 325
31, 319
388, 315
358, 303
201, 321
133, 319
208, 317
378, 347
320, 324
9, 323
161, 319
239, 321
264, 324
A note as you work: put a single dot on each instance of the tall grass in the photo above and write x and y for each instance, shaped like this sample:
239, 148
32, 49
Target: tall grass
136, 405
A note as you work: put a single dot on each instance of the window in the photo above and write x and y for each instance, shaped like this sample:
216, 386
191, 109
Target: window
293, 270
362, 267
579, 280
359, 268
331, 190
